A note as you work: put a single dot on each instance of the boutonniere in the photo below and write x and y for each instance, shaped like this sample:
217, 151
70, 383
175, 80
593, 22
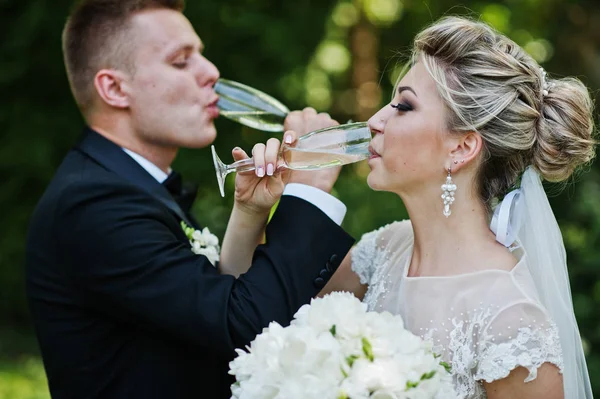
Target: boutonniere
203, 242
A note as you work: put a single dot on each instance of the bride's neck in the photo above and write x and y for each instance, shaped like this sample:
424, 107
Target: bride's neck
442, 241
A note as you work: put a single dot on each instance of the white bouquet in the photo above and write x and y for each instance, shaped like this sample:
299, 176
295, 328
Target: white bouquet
335, 349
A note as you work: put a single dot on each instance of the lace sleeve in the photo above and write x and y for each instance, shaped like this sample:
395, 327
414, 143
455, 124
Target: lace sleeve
367, 254
363, 256
519, 335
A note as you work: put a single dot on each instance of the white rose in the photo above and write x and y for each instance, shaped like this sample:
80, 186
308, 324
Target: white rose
210, 253
209, 238
196, 247
198, 237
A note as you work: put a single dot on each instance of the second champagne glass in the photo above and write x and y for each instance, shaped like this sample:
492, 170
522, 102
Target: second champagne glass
250, 107
323, 148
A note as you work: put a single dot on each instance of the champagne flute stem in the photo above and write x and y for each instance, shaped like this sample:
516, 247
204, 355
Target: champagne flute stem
243, 165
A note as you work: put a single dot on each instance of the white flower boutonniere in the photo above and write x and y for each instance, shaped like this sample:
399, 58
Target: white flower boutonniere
203, 242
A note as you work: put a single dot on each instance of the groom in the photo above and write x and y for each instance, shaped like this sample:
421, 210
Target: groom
121, 305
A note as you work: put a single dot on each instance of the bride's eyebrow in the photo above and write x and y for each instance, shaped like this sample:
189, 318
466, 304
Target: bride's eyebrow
404, 88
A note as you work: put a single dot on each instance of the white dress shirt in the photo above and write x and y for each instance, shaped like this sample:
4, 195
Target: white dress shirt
154, 170
331, 206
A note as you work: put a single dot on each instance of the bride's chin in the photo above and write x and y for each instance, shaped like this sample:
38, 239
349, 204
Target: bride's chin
373, 183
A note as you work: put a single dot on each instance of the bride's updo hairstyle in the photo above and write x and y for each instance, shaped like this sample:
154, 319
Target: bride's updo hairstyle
492, 86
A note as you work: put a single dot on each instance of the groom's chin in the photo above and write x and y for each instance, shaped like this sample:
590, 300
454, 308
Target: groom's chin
204, 137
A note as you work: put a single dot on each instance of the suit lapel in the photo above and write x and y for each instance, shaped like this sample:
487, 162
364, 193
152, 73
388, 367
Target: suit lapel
115, 159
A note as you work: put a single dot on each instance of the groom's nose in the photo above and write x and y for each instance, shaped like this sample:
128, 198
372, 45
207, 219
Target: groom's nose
207, 74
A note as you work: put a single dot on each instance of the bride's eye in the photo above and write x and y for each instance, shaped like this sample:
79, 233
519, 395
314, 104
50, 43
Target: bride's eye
402, 107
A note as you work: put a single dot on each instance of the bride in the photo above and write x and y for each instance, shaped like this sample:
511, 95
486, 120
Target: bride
478, 117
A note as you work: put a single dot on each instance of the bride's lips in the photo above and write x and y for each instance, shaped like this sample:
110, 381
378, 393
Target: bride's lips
374, 154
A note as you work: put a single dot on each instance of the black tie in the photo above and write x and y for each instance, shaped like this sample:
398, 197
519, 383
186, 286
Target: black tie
184, 194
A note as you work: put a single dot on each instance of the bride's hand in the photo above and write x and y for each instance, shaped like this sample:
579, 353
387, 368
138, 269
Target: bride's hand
257, 191
304, 122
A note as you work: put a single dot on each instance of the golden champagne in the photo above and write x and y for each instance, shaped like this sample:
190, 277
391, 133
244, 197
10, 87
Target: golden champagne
313, 159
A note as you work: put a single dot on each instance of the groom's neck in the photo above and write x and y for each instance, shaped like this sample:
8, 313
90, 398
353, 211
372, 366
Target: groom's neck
121, 133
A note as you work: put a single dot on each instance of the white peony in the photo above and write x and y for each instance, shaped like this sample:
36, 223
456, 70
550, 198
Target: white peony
378, 374
341, 309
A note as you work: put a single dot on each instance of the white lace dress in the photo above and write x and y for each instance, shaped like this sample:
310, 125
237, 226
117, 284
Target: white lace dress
484, 324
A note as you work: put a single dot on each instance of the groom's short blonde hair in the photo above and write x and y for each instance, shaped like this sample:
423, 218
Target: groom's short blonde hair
96, 37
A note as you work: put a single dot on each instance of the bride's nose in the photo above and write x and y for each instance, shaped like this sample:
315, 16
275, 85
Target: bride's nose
377, 123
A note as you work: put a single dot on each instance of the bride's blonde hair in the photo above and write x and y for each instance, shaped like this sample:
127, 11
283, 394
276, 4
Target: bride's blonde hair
492, 86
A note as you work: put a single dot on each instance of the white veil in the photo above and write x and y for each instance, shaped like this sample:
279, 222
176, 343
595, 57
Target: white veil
525, 217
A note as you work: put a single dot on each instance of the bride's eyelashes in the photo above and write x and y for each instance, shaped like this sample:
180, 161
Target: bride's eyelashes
404, 107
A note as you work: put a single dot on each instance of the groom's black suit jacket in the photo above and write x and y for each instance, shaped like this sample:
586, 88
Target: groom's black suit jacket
122, 307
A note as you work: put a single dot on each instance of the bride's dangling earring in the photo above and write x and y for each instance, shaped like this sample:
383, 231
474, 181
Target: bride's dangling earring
448, 196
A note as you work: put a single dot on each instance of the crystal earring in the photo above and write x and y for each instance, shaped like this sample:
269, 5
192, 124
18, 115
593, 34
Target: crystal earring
448, 196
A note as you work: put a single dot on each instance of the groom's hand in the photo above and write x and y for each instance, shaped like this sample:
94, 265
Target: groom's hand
257, 191
303, 122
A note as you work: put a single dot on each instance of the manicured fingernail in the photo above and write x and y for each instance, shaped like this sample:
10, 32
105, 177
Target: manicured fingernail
236, 149
270, 169
260, 172
288, 139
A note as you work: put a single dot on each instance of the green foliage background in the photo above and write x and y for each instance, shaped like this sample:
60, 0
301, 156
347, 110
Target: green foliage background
338, 56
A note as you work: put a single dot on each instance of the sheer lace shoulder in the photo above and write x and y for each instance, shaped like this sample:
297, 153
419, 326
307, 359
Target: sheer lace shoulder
520, 335
484, 324
367, 254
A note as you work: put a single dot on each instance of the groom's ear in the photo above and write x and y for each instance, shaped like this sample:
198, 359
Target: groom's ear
111, 87
467, 148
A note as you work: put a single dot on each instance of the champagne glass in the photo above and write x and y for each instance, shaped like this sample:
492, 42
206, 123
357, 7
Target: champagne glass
320, 149
250, 107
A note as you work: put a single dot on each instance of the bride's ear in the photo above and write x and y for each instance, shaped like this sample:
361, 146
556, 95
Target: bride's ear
466, 149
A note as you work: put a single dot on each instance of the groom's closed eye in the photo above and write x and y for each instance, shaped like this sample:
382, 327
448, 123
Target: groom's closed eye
180, 56
180, 64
